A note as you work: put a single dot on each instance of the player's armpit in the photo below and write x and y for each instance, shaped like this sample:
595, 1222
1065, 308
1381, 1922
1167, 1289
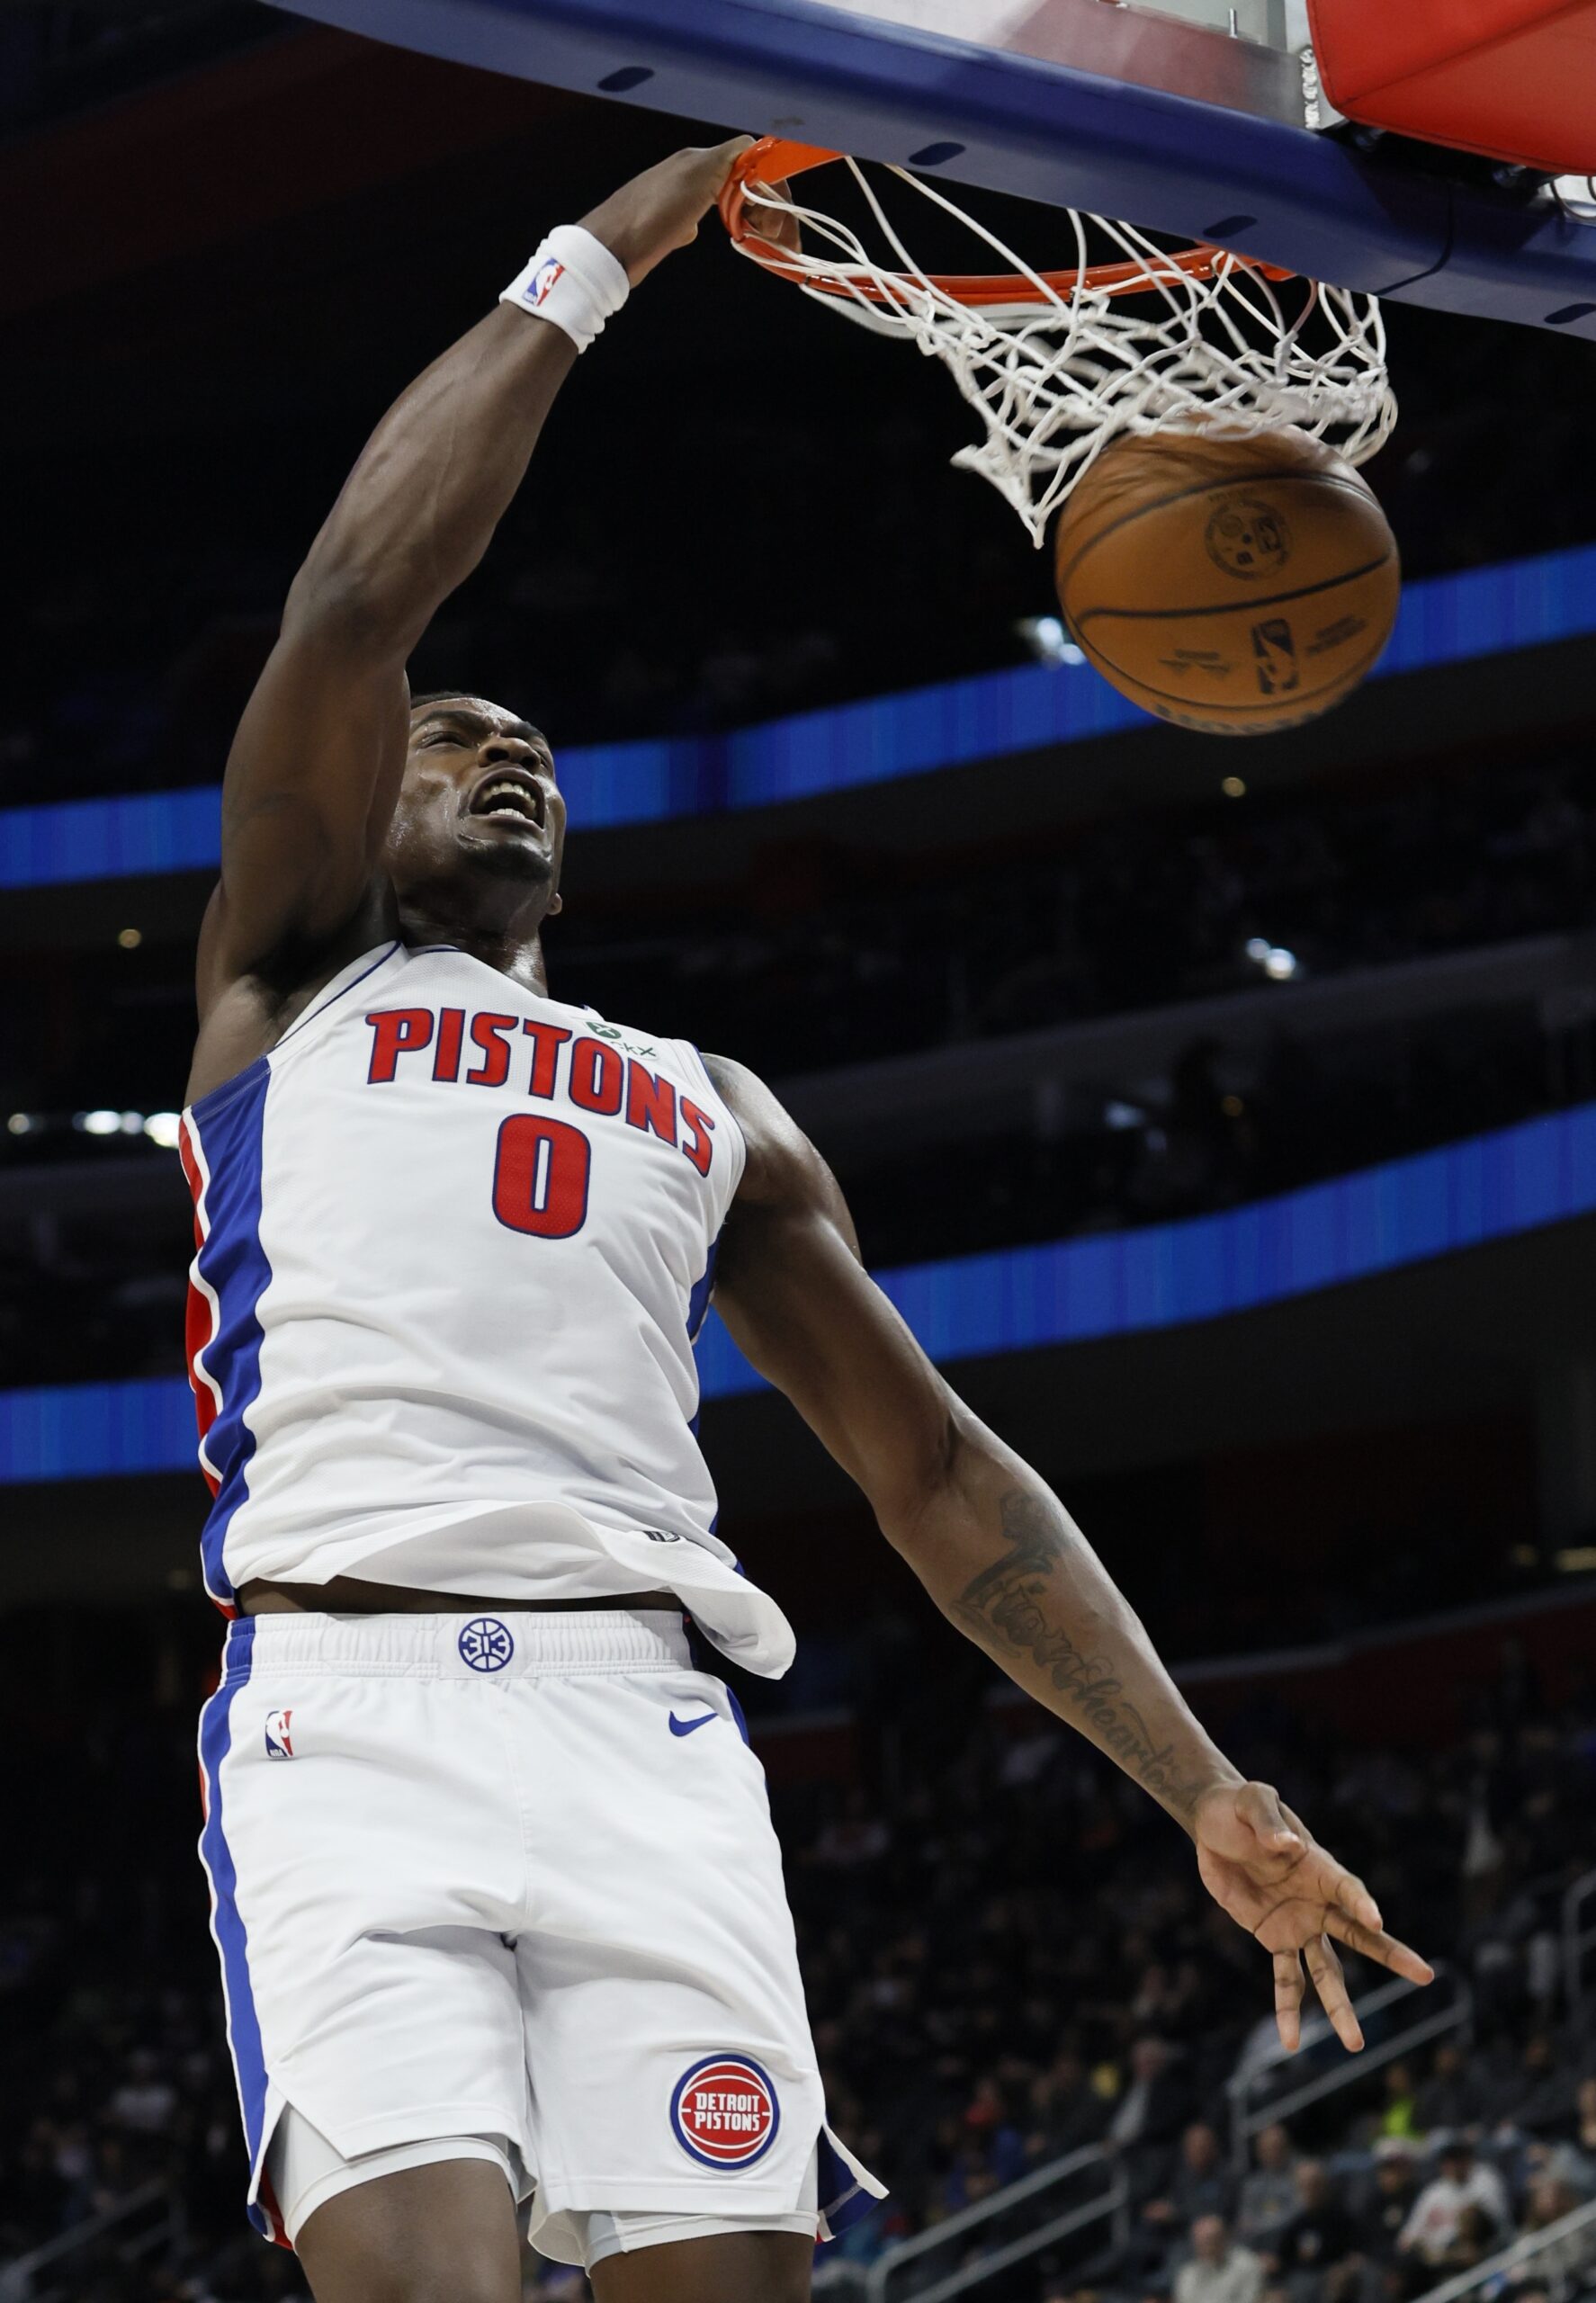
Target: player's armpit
804, 1312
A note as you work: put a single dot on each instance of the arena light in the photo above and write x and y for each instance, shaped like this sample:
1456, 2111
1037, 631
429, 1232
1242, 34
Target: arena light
23, 1123
1048, 642
162, 1128
100, 1123
1277, 962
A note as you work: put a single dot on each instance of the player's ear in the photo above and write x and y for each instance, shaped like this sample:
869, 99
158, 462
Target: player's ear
556, 904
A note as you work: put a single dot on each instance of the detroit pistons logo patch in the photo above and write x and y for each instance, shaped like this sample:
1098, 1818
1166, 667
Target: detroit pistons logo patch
724, 2111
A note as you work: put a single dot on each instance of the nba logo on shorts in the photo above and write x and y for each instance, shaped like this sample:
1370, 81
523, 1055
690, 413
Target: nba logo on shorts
724, 2111
542, 280
279, 1742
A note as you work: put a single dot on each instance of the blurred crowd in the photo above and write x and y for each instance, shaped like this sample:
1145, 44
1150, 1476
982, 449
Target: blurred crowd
826, 957
833, 957
1008, 1958
604, 609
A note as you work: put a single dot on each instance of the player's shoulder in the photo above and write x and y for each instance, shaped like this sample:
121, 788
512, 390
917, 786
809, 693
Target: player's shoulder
756, 1109
783, 1165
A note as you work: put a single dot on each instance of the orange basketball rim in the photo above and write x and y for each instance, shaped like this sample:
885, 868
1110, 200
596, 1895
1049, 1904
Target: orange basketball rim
773, 160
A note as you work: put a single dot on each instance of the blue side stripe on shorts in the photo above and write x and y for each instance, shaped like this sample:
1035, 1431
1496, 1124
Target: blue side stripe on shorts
244, 2039
843, 2199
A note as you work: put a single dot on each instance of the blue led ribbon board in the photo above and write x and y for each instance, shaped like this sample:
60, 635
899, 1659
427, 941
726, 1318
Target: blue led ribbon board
1161, 119
1379, 1220
1443, 620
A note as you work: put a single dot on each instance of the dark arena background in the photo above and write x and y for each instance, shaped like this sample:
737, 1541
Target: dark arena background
1222, 1115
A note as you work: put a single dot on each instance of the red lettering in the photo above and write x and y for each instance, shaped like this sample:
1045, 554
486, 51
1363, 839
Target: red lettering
396, 1031
651, 1103
446, 1064
540, 1177
488, 1033
596, 1076
547, 1040
701, 1150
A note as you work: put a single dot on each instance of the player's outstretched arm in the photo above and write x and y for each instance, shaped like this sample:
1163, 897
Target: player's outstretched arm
314, 772
1004, 1560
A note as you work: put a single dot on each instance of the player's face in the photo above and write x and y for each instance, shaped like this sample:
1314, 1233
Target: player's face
479, 796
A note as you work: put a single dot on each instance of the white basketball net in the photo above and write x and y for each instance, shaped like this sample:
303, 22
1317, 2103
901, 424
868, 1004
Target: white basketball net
1055, 381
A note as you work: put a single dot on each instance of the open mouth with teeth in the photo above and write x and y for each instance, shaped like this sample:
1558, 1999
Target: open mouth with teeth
514, 799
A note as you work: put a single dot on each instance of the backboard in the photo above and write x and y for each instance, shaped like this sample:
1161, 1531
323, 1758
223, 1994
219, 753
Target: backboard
1201, 118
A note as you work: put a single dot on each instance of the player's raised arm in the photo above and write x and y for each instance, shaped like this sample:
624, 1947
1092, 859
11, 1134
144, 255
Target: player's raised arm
1003, 1559
314, 771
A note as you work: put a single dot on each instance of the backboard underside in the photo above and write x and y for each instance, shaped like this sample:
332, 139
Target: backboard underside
1171, 119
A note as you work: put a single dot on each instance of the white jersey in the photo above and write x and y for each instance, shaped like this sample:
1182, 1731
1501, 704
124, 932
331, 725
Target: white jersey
454, 1241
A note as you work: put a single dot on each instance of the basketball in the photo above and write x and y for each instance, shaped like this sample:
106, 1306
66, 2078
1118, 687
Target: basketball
1233, 585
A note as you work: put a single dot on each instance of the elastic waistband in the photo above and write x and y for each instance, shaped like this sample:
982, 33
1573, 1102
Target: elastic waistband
526, 1644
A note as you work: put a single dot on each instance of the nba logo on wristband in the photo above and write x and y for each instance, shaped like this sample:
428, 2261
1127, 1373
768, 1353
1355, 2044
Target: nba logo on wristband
572, 282
542, 280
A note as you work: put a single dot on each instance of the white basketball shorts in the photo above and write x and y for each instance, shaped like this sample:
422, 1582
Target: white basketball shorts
512, 1875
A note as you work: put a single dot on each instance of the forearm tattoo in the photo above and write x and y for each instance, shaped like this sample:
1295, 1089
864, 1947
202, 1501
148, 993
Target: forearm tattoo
1011, 1610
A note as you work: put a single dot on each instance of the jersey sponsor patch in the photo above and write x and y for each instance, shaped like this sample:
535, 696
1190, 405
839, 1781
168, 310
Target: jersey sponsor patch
278, 1735
486, 1643
724, 2111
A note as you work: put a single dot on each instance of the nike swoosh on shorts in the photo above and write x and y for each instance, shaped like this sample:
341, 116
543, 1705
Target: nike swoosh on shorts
686, 1726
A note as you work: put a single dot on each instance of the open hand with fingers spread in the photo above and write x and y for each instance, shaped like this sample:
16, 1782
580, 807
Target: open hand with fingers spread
1262, 1865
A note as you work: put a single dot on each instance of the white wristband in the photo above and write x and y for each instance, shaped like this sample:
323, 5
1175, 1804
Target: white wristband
573, 280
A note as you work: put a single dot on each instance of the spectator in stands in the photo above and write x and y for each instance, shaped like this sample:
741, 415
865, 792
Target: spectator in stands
1561, 2262
1200, 2186
1434, 2226
1451, 2097
145, 2102
1153, 2107
1316, 2253
1387, 2208
1269, 2196
1219, 2268
1540, 2097
35, 2196
1067, 2111
1476, 2237
1400, 2113
987, 2123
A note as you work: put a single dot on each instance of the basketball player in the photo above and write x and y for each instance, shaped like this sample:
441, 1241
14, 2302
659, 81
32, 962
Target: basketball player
497, 1900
